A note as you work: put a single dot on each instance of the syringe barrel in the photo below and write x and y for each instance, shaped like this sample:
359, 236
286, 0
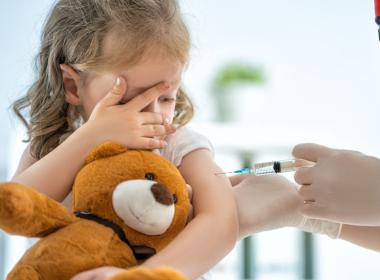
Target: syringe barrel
294, 164
264, 168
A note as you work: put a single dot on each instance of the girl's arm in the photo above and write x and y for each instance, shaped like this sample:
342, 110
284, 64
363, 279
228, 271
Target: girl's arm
367, 237
213, 231
58, 168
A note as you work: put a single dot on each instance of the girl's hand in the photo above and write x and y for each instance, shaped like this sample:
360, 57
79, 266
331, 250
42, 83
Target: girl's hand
126, 124
102, 273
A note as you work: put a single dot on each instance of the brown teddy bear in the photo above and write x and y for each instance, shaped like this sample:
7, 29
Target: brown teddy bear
125, 202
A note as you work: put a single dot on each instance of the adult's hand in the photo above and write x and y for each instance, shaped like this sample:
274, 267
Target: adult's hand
343, 186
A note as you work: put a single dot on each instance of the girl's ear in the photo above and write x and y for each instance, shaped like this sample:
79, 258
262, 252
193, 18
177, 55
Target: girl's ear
71, 81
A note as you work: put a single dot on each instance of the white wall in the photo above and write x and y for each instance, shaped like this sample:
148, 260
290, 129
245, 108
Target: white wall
20, 23
322, 60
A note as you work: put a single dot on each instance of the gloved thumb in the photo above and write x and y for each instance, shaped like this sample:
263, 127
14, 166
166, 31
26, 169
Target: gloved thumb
114, 96
312, 152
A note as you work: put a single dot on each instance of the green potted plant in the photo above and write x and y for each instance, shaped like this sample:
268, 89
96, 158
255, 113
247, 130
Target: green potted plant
231, 85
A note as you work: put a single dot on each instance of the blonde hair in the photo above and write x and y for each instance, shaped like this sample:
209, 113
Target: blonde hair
74, 34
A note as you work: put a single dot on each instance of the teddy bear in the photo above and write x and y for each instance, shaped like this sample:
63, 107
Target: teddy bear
125, 203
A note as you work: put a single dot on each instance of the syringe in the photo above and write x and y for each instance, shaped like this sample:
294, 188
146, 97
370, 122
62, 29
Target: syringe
272, 167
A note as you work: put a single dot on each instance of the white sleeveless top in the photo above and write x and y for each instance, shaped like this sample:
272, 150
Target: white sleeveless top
180, 143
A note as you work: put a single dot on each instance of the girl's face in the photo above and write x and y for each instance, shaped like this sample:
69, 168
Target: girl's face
140, 77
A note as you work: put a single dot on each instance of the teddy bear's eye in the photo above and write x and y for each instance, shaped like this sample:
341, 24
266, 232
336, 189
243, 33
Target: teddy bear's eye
174, 198
149, 176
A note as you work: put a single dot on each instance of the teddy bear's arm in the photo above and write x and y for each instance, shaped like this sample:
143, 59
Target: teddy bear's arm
24, 211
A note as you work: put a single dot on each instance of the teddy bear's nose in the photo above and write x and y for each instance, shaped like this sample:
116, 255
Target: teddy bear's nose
161, 194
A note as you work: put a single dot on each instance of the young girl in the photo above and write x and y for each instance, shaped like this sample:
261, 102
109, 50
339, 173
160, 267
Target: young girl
111, 71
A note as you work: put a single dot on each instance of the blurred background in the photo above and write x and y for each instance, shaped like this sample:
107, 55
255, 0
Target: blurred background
264, 76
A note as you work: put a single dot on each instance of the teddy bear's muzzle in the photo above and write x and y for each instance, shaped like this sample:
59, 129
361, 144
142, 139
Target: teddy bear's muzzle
144, 205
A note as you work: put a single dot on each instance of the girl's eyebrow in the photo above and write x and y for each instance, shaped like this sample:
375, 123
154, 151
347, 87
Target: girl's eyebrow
142, 89
138, 90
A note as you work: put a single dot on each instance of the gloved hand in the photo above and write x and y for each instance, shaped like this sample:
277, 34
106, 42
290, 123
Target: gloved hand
271, 202
343, 186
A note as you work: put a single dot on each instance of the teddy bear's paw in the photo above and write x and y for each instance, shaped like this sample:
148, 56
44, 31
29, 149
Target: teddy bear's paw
23, 272
141, 273
14, 202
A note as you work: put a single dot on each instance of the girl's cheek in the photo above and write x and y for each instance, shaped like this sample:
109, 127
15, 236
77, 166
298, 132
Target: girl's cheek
94, 91
87, 111
91, 101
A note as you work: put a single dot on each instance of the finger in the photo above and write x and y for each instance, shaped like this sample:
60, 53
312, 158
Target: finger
191, 214
152, 118
237, 179
150, 143
312, 152
87, 275
189, 192
114, 96
144, 99
356, 153
306, 194
303, 176
152, 130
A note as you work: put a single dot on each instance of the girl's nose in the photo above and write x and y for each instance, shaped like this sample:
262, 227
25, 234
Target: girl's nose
154, 107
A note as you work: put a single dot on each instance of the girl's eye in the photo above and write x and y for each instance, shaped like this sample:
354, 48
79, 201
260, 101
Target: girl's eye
167, 99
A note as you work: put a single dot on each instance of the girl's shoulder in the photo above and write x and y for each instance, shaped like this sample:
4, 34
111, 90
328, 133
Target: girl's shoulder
182, 142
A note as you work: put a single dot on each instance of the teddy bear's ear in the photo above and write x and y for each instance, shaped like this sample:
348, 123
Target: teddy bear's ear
105, 150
